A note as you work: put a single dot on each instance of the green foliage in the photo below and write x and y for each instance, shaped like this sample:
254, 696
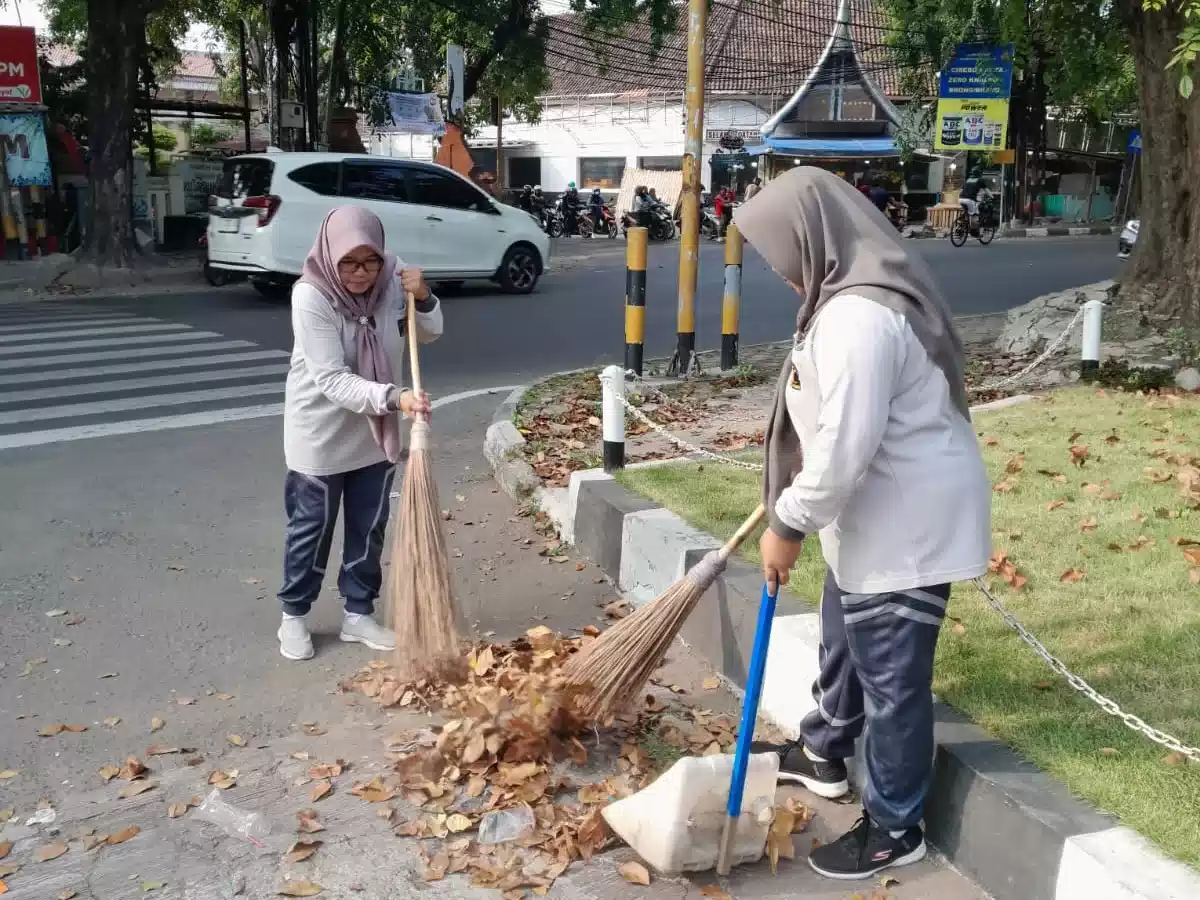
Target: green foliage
206, 135
165, 142
1185, 343
1188, 50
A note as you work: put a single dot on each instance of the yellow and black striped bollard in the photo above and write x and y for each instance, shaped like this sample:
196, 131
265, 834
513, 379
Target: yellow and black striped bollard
732, 301
635, 297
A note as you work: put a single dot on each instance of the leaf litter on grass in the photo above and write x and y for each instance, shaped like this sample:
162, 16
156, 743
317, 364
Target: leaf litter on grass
508, 751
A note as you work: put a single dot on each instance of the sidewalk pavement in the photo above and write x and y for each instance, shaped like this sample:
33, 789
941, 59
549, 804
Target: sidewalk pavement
180, 856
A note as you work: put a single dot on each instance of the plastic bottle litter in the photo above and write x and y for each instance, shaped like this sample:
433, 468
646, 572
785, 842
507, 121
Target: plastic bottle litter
42, 817
675, 824
253, 826
504, 825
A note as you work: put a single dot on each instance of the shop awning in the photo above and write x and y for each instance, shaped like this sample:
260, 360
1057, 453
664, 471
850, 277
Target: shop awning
883, 146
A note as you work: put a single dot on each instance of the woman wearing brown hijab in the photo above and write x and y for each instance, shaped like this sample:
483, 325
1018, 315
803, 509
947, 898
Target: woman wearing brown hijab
870, 444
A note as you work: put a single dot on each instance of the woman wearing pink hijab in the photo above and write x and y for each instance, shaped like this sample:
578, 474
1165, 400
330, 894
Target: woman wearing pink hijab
341, 429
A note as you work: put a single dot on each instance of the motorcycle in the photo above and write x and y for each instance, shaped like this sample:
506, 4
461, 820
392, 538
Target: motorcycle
556, 219
608, 222
661, 227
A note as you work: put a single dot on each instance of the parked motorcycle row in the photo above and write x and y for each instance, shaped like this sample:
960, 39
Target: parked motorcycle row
558, 223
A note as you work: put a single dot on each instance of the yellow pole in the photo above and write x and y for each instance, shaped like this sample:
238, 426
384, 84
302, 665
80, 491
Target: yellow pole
635, 297
732, 301
684, 361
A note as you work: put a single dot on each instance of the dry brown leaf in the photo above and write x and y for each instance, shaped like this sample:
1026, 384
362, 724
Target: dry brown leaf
1110, 495
483, 662
1072, 575
68, 894
1079, 454
48, 852
1141, 542
1174, 758
1158, 476
307, 822
1015, 464
457, 823
5, 847
374, 791
889, 881
437, 867
1055, 504
991, 442
112, 721
319, 790
713, 892
156, 724
176, 810
711, 683
325, 770
476, 786
223, 780
1194, 576
302, 850
1000, 564
108, 773
1004, 487
237, 740
185, 701
1088, 524
1108, 751
635, 873
1192, 555
51, 730
75, 729
136, 787
133, 768
299, 889
224, 696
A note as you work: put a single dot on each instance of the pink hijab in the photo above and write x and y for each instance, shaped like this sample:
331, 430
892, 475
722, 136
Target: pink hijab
343, 230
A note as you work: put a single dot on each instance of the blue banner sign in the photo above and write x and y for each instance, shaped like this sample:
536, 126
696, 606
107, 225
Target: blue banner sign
978, 72
1135, 142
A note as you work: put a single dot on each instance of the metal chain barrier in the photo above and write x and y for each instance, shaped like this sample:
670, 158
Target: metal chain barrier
686, 446
1045, 355
1109, 706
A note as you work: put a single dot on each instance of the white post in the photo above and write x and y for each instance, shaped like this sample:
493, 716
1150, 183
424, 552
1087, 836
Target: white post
1093, 314
612, 413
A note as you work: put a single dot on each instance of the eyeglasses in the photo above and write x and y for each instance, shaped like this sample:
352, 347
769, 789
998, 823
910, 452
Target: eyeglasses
354, 266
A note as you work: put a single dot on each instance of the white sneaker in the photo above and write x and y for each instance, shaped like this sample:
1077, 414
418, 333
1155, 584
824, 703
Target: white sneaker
294, 640
360, 629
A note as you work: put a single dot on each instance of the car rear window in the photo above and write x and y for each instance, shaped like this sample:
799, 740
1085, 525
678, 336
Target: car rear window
320, 178
243, 178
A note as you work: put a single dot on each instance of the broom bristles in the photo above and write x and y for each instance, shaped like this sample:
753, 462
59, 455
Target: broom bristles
420, 588
617, 665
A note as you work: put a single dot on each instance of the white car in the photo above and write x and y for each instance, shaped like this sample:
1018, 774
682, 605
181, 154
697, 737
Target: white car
264, 217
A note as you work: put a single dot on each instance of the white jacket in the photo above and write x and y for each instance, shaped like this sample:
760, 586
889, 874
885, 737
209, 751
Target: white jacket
325, 425
892, 478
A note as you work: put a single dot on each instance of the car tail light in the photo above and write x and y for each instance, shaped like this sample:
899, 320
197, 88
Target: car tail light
267, 207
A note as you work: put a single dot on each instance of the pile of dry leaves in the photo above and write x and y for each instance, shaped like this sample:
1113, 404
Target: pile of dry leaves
510, 762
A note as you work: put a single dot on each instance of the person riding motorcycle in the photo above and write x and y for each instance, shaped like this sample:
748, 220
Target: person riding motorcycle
642, 206
596, 208
525, 199
537, 201
570, 208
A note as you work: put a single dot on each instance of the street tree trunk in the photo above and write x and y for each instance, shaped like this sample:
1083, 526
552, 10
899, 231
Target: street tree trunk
116, 28
1164, 273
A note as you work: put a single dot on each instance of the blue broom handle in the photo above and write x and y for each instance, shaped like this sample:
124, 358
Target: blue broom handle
754, 682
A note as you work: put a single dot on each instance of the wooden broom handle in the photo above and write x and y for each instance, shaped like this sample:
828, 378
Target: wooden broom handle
743, 532
414, 362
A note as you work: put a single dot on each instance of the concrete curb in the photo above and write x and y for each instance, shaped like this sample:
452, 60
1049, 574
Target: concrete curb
1017, 832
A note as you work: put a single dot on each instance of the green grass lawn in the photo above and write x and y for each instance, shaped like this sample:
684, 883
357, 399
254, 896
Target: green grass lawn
1129, 624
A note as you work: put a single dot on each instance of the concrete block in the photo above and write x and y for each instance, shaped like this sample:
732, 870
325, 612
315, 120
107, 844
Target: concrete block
653, 548
600, 509
567, 532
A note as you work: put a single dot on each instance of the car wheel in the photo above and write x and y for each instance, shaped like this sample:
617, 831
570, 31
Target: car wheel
216, 277
273, 290
519, 270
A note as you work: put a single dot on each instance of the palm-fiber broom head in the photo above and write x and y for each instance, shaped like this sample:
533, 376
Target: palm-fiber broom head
617, 665
420, 589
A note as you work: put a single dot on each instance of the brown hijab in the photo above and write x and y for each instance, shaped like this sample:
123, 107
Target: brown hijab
347, 228
822, 235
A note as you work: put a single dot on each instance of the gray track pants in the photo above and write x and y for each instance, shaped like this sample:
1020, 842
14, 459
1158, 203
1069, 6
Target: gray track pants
876, 660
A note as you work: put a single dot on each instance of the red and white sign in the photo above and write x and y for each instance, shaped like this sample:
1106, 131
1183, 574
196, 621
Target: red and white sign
20, 81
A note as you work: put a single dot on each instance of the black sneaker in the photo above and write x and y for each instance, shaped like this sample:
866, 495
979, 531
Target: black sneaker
865, 850
825, 779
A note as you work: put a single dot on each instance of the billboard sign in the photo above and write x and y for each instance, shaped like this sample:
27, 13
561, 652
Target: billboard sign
973, 92
20, 81
413, 114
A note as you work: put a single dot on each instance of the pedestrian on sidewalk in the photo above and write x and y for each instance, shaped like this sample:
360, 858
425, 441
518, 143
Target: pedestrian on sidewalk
870, 444
341, 430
